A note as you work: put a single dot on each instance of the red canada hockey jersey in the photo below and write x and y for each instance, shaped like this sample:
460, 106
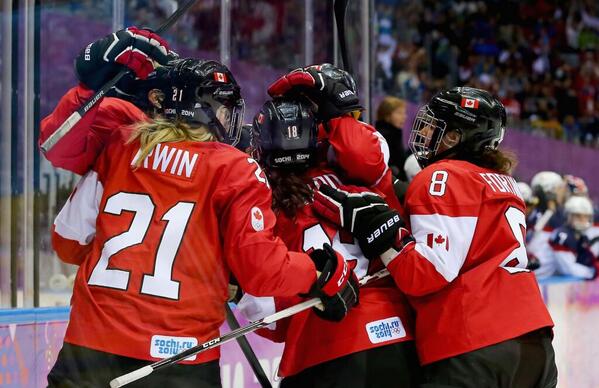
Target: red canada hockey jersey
382, 317
162, 240
362, 153
465, 275
78, 149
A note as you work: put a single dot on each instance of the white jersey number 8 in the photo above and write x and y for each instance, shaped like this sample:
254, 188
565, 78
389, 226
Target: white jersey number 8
438, 180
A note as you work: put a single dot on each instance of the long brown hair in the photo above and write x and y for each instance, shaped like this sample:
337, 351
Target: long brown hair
161, 130
290, 192
501, 161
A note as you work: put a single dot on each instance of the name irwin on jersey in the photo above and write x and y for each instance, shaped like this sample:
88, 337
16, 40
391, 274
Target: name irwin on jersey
169, 160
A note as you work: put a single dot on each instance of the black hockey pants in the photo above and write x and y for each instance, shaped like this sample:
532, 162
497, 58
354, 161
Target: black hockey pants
527, 361
79, 367
391, 366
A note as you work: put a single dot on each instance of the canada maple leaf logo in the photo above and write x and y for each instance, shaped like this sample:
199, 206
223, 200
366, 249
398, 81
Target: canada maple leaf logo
258, 215
440, 240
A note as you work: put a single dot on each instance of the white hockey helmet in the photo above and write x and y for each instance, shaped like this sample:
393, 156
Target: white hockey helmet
580, 212
411, 167
526, 192
549, 181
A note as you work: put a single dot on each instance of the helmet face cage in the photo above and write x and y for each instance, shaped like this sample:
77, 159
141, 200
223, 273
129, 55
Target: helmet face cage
204, 92
425, 137
223, 114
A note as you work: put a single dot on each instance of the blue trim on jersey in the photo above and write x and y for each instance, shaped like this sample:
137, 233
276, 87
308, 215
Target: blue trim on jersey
34, 315
41, 314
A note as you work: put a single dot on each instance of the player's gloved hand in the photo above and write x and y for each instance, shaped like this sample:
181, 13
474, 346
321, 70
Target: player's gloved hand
337, 286
132, 47
366, 215
331, 89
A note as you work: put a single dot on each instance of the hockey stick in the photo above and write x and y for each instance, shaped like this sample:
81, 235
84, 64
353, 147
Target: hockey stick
543, 220
247, 349
340, 9
251, 327
74, 118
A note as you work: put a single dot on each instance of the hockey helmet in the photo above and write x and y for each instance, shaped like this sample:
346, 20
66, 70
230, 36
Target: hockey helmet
526, 191
579, 211
477, 116
548, 181
135, 90
203, 92
285, 134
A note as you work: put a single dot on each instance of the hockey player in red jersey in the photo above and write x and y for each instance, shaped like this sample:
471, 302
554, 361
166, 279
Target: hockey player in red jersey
373, 346
357, 150
134, 48
164, 216
480, 319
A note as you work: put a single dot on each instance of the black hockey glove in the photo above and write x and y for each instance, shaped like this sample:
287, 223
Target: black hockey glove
331, 89
337, 286
132, 47
366, 215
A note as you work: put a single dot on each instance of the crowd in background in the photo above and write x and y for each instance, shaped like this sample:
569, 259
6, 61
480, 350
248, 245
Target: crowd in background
539, 56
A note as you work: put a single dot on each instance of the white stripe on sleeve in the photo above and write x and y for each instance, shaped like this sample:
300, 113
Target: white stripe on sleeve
386, 155
257, 307
77, 219
444, 241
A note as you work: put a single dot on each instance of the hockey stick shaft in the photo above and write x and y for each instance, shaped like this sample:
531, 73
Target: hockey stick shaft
76, 116
253, 326
247, 350
340, 9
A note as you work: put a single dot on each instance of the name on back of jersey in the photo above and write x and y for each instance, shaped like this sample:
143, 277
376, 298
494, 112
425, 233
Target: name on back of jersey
501, 183
170, 160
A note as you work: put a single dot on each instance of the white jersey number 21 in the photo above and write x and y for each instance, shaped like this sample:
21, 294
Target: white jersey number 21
159, 283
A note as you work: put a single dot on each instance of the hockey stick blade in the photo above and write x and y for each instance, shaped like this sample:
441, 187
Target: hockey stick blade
251, 327
76, 116
340, 9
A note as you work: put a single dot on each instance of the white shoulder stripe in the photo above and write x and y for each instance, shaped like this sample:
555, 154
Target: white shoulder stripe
386, 154
77, 219
444, 241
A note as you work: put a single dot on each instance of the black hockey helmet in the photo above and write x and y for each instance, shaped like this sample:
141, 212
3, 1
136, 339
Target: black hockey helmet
475, 114
200, 91
285, 134
135, 90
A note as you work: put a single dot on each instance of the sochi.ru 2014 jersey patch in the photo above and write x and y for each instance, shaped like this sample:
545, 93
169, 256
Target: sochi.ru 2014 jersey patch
385, 330
164, 347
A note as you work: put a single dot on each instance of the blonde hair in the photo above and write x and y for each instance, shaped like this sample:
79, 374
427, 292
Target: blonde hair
387, 106
161, 130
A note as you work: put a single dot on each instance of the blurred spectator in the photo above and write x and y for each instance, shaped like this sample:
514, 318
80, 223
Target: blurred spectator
390, 118
539, 56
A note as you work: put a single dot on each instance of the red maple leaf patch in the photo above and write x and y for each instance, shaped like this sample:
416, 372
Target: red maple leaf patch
258, 215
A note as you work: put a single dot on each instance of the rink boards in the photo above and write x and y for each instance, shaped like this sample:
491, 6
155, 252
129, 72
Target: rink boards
31, 338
